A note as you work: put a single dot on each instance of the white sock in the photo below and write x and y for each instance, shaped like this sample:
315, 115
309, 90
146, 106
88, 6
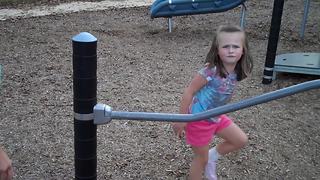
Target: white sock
210, 171
213, 154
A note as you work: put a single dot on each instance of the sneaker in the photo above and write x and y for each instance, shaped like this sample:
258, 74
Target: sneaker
210, 171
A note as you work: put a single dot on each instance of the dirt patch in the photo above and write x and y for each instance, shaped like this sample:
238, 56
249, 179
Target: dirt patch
27, 10
142, 67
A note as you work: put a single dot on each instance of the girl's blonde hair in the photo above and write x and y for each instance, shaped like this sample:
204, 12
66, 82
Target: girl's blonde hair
244, 65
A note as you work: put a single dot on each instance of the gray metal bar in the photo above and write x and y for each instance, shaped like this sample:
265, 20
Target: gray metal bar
305, 17
243, 16
103, 113
170, 24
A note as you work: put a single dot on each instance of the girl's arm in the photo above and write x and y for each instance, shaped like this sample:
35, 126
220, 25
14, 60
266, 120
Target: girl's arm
195, 85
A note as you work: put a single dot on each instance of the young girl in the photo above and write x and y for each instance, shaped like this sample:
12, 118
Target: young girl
227, 62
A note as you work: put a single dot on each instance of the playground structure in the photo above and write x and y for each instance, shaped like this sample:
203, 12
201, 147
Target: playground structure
304, 63
170, 8
88, 114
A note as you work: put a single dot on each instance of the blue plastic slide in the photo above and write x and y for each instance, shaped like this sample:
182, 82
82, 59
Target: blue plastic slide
170, 8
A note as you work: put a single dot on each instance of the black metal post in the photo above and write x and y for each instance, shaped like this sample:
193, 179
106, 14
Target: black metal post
85, 98
273, 41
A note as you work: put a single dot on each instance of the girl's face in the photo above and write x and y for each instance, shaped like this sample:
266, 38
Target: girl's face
230, 48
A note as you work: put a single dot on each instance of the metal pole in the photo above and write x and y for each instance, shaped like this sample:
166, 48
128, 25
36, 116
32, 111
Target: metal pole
170, 24
85, 97
273, 41
305, 17
243, 15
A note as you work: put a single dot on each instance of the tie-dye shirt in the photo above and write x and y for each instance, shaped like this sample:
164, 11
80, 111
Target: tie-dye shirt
217, 92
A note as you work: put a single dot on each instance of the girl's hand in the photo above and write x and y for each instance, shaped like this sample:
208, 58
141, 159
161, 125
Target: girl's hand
178, 129
6, 172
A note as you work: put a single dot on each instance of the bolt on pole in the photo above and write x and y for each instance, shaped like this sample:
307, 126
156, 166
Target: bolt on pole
84, 47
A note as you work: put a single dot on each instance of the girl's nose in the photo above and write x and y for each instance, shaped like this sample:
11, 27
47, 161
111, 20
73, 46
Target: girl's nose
231, 49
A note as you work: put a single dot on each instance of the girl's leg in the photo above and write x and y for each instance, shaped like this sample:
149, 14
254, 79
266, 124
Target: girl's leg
234, 139
199, 162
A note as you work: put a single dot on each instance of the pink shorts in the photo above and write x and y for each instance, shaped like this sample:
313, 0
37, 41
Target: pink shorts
200, 133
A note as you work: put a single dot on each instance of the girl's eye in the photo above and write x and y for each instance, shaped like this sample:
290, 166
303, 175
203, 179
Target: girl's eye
233, 46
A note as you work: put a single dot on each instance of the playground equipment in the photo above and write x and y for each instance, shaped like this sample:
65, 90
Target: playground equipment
87, 113
84, 97
304, 63
170, 8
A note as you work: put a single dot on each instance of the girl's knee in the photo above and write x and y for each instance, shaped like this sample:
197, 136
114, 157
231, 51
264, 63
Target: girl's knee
242, 141
234, 135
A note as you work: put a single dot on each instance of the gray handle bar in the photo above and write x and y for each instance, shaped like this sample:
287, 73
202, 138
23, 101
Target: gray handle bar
103, 113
